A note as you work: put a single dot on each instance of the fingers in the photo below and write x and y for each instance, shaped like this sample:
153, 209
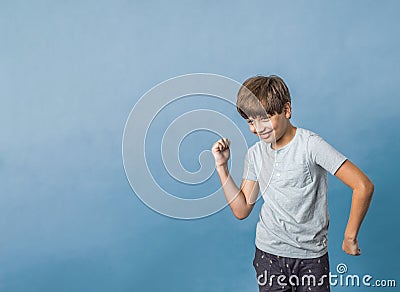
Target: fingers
226, 142
357, 252
351, 248
354, 252
221, 144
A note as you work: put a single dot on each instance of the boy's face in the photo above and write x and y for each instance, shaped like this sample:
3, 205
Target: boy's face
271, 128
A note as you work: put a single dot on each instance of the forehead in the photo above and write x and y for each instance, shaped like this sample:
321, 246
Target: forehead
259, 117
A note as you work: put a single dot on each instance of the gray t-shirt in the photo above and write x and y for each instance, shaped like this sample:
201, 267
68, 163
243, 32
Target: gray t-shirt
293, 182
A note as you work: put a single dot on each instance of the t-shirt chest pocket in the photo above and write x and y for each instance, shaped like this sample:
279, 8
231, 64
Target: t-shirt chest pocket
293, 175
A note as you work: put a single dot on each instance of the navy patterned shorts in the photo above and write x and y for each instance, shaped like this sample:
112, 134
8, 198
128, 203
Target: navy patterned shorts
276, 273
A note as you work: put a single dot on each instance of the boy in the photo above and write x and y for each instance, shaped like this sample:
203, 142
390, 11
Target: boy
289, 166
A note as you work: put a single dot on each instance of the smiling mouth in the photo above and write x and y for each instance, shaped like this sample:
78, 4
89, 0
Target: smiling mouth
265, 135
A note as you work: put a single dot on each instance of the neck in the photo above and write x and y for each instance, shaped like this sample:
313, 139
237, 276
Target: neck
286, 138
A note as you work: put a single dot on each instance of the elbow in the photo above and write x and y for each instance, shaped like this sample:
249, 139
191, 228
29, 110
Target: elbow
243, 212
367, 187
241, 216
371, 188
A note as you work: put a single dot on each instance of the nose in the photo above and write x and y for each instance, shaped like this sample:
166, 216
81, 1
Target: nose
258, 126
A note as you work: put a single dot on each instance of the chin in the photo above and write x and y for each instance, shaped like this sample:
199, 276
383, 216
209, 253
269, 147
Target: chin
268, 140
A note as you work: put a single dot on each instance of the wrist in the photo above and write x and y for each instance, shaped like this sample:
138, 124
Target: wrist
221, 167
350, 237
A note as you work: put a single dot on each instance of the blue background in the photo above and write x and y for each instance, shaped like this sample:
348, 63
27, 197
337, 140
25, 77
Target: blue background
70, 73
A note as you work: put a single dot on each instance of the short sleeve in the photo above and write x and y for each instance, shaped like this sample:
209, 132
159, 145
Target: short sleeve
249, 172
324, 154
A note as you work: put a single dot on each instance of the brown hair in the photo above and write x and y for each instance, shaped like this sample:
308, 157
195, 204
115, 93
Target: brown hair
271, 94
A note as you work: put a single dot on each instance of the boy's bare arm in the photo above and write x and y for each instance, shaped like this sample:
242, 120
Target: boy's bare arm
241, 200
363, 190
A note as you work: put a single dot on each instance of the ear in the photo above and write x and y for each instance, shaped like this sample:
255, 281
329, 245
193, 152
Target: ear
288, 110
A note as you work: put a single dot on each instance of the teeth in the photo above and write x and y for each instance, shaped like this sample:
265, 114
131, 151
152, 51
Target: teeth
267, 133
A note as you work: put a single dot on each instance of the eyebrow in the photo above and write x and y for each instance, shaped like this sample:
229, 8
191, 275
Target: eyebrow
262, 118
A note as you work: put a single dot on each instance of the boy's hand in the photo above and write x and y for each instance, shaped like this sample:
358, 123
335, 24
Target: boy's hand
350, 246
221, 152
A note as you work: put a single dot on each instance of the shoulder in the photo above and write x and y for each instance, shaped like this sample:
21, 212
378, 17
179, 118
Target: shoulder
306, 137
256, 149
307, 133
312, 143
309, 137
